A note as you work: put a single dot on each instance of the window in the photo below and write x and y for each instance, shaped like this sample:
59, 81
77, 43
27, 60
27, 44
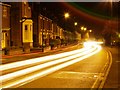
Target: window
26, 32
26, 27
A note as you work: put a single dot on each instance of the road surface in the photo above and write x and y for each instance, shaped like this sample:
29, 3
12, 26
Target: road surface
84, 74
78, 69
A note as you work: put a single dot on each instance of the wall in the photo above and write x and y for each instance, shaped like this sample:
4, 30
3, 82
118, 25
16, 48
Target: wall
5, 26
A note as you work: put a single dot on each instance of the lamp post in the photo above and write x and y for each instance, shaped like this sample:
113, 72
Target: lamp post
66, 16
75, 24
111, 14
90, 33
83, 29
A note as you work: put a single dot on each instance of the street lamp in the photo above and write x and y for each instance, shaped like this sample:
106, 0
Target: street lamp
85, 29
82, 28
75, 23
66, 15
90, 30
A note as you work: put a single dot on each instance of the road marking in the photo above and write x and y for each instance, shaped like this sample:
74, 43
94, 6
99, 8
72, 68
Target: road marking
102, 77
107, 72
74, 75
95, 83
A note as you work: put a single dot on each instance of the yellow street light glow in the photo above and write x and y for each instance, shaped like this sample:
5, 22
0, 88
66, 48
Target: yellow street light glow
85, 29
82, 28
75, 23
90, 30
66, 15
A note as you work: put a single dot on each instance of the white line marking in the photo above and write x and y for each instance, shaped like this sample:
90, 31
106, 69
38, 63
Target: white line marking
105, 74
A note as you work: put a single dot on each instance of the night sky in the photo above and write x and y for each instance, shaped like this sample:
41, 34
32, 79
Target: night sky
92, 15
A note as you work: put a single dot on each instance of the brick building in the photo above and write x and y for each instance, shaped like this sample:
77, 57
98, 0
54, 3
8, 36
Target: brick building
45, 30
21, 27
5, 42
24, 28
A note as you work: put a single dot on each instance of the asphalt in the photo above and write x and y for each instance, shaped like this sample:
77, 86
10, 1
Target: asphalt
83, 74
112, 80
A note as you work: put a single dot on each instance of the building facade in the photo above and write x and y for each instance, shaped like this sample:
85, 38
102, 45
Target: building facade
21, 26
5, 41
24, 28
44, 30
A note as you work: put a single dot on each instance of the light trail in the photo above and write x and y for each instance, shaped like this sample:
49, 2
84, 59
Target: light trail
41, 59
78, 55
53, 69
41, 66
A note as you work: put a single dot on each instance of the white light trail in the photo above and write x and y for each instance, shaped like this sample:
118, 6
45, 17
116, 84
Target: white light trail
53, 69
91, 43
41, 66
41, 59
57, 63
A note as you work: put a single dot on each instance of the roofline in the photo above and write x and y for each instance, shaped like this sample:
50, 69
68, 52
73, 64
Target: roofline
5, 4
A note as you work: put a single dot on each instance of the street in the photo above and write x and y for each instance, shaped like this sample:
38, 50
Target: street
83, 74
73, 69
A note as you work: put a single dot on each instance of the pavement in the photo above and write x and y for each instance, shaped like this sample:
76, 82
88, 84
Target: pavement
13, 58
